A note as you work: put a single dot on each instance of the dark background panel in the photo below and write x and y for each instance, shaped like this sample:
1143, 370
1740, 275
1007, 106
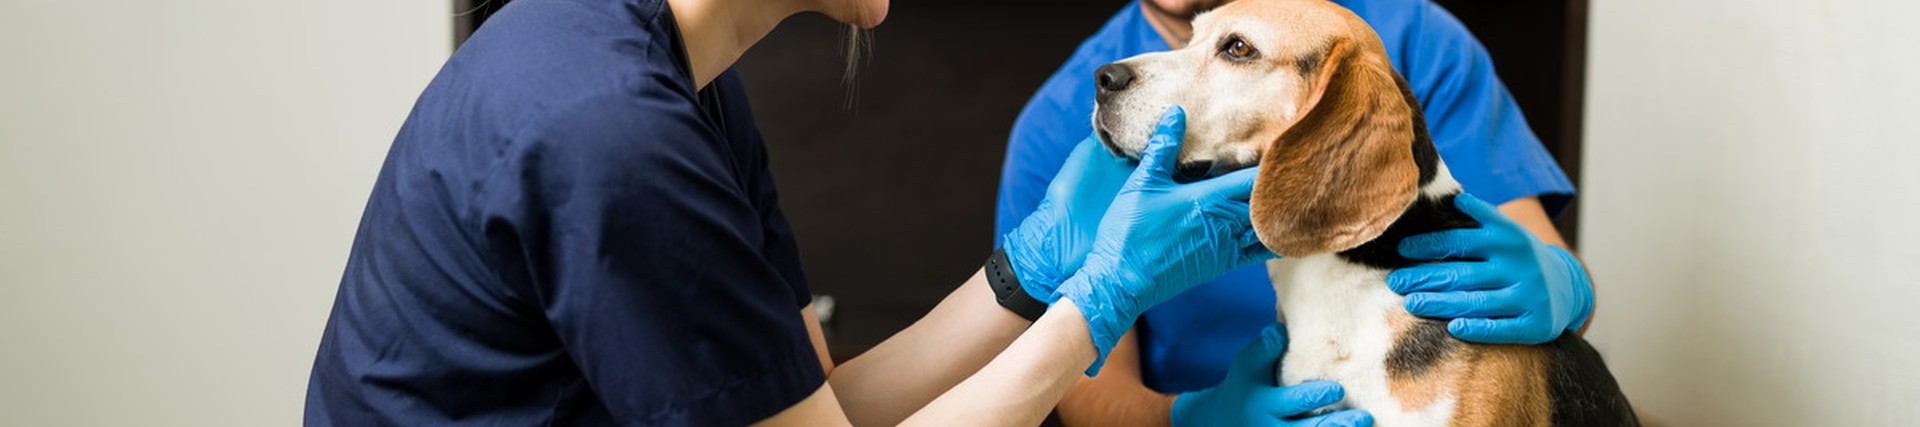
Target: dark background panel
1539, 49
889, 178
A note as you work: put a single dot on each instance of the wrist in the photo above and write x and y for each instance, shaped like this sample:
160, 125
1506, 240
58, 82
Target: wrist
1582, 288
1008, 289
1109, 313
1032, 266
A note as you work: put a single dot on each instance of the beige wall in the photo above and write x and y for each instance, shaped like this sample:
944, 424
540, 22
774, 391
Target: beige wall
1752, 208
179, 182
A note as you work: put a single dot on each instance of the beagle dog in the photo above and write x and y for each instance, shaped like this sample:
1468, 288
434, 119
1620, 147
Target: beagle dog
1304, 89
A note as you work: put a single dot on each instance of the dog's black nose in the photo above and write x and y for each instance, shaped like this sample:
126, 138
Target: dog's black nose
1194, 171
1113, 77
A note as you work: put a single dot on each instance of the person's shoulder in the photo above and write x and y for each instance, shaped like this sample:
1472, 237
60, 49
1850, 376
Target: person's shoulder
1388, 15
1424, 40
1408, 22
544, 55
620, 134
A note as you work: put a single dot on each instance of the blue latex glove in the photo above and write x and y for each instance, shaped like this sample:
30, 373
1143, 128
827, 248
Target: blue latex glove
1053, 241
1250, 396
1500, 284
1160, 238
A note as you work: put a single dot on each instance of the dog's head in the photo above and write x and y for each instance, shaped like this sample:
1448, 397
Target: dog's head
1301, 87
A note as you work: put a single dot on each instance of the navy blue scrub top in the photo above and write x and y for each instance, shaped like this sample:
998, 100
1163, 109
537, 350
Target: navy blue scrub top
567, 232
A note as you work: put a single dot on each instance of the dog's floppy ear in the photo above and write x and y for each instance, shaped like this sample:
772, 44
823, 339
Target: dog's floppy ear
1345, 170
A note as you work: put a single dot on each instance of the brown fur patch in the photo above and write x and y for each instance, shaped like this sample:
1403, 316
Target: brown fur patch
1416, 390
1342, 173
1504, 385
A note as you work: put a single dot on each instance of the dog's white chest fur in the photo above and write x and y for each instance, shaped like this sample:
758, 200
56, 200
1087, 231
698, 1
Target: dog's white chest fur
1336, 315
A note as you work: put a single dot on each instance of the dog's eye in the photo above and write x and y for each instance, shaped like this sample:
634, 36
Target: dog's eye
1236, 49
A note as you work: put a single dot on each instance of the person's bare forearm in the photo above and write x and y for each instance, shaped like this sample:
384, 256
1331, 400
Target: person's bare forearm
889, 382
1118, 396
1097, 404
1024, 382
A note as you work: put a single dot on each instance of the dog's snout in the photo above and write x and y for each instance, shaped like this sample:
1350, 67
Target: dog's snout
1113, 77
1194, 170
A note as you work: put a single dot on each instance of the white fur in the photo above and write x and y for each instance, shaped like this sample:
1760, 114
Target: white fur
1336, 315
1221, 99
1443, 183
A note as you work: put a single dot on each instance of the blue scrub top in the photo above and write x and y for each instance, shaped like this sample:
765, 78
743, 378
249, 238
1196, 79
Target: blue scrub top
1187, 343
567, 232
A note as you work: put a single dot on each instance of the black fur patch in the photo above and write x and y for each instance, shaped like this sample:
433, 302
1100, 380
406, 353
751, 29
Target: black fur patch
1583, 390
1425, 345
1309, 63
1424, 216
1424, 154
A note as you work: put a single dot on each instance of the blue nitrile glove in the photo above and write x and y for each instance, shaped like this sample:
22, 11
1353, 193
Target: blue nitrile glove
1499, 285
1160, 238
1251, 395
1053, 241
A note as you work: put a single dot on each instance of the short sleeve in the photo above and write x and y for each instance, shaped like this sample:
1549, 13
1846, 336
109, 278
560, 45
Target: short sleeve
1475, 123
654, 265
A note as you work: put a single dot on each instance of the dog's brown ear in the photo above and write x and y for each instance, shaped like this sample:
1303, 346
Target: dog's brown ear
1345, 170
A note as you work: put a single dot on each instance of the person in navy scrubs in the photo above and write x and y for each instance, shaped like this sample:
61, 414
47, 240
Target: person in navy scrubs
1168, 367
576, 226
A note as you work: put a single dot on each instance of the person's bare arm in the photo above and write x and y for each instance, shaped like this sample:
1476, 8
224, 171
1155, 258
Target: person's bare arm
1530, 214
1118, 396
1021, 385
1017, 387
817, 336
889, 382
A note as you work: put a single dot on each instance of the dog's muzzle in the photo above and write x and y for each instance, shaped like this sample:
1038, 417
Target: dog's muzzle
1111, 79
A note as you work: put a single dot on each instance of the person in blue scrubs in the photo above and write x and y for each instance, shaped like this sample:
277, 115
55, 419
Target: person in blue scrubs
576, 226
1188, 345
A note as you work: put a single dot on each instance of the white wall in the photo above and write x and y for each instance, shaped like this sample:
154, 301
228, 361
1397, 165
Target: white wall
179, 182
1752, 208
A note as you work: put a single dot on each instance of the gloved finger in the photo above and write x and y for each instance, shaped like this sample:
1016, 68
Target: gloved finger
1514, 330
1256, 254
1086, 151
1345, 418
1291, 401
1237, 209
1250, 237
1163, 148
1445, 277
1451, 305
1256, 361
1481, 211
1236, 220
1462, 243
1235, 186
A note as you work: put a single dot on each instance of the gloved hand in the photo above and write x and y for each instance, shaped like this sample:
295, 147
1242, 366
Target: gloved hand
1251, 396
1160, 238
1053, 241
1499, 284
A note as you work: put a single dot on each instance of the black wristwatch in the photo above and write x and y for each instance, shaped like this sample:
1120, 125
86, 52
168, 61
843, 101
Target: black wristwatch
1007, 290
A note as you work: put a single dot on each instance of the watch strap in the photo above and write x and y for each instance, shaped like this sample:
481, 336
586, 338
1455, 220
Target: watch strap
1007, 290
